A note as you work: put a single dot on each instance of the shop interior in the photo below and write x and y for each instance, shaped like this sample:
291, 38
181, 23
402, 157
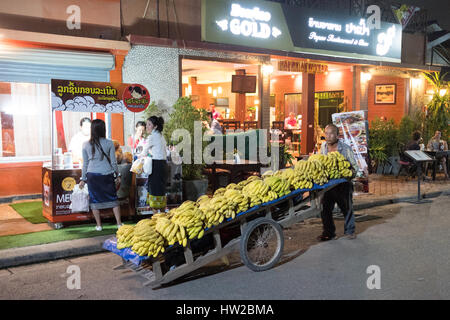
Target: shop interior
213, 82
71, 131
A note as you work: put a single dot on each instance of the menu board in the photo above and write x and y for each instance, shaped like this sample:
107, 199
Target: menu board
353, 130
418, 156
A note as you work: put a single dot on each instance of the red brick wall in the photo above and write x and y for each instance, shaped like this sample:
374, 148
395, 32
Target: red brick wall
335, 81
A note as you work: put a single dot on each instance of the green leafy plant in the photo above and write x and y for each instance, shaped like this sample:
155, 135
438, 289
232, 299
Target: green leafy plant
378, 155
384, 134
406, 128
285, 156
153, 110
438, 110
183, 116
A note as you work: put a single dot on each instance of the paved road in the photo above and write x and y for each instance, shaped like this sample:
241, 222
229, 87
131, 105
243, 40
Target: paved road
412, 251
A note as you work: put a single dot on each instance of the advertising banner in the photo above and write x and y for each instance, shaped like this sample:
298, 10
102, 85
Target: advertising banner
87, 96
353, 130
277, 26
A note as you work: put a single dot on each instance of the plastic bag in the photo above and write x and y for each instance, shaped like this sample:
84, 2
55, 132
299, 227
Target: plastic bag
148, 165
80, 199
138, 166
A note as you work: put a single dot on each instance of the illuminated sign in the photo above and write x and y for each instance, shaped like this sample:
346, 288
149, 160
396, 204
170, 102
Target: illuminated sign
277, 26
384, 39
249, 23
301, 66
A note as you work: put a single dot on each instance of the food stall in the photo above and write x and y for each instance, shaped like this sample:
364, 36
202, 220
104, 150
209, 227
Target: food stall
72, 100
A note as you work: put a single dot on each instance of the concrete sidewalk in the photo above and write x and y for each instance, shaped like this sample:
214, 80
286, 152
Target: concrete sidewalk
384, 190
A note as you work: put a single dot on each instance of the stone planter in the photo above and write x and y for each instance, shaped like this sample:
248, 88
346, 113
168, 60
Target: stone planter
193, 189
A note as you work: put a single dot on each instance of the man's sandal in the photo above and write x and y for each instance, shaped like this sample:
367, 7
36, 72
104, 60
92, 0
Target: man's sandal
326, 238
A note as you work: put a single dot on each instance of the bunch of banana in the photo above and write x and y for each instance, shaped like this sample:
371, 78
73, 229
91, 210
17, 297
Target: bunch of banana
303, 170
257, 191
204, 206
303, 184
280, 186
253, 178
232, 186
343, 166
330, 164
190, 218
240, 201
317, 172
290, 175
220, 208
202, 199
268, 173
220, 192
243, 183
171, 231
146, 240
125, 236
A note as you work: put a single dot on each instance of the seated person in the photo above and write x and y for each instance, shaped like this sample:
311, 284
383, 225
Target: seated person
214, 125
437, 144
412, 145
291, 122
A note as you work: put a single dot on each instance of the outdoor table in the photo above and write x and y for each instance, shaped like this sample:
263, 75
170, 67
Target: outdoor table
435, 155
234, 168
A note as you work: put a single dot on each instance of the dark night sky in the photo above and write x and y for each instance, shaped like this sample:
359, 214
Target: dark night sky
437, 10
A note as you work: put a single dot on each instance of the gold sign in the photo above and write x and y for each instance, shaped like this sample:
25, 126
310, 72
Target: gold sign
68, 184
301, 66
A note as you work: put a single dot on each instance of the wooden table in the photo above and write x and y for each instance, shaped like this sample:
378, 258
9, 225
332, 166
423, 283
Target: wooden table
234, 168
435, 155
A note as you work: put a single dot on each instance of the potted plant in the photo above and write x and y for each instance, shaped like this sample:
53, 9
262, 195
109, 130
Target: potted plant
183, 116
285, 157
438, 110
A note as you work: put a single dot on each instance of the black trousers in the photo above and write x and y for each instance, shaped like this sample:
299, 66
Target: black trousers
342, 196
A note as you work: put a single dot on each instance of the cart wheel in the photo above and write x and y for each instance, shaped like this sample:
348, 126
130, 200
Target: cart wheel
262, 244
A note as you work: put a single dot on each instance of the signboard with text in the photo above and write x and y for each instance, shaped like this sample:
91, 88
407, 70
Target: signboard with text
87, 96
270, 25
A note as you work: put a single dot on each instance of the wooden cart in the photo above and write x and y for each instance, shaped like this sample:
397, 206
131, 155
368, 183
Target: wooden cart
260, 240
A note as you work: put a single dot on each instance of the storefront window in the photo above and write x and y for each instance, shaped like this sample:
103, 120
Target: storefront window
25, 112
228, 89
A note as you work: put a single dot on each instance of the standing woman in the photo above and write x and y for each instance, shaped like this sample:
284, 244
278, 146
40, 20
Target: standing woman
101, 173
137, 140
155, 147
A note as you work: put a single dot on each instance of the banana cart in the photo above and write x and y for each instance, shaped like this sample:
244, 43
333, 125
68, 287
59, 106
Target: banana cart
257, 233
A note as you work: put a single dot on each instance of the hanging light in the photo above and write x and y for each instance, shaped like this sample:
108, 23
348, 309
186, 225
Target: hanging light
215, 93
209, 90
219, 90
267, 69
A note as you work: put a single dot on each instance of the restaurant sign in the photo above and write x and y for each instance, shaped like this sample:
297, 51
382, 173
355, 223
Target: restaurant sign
87, 96
271, 25
301, 66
